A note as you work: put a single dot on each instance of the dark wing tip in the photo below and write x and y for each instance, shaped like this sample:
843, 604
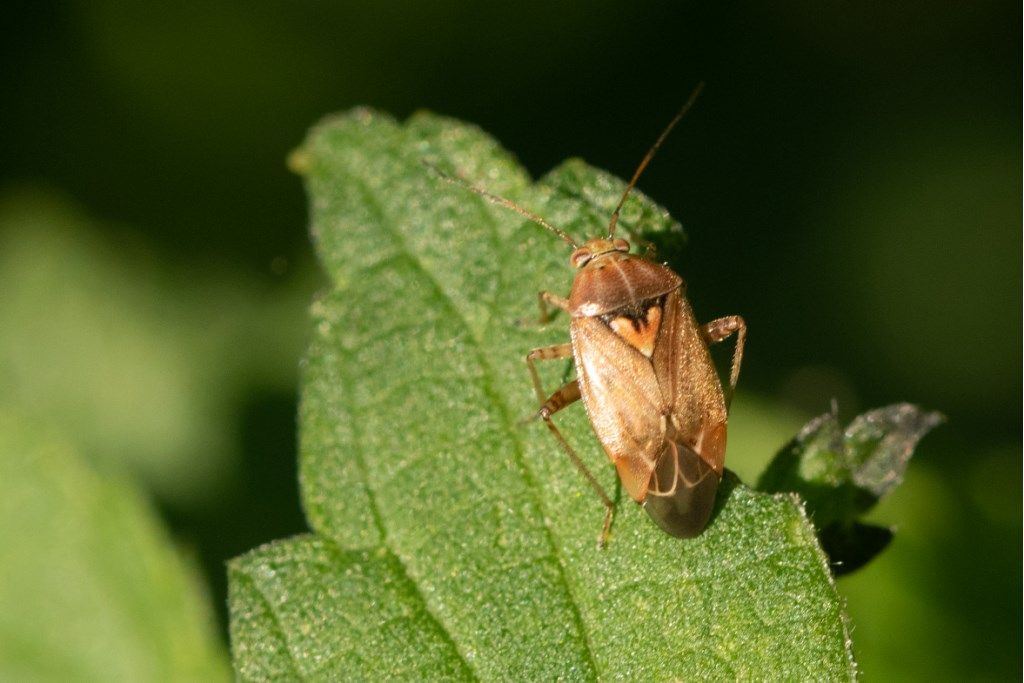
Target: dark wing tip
681, 494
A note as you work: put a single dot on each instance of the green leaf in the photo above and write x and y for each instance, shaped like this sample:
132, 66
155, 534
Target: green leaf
419, 473
137, 360
841, 474
90, 587
367, 617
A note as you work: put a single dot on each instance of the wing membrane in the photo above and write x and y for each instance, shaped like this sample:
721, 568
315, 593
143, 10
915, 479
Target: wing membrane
689, 384
682, 491
620, 392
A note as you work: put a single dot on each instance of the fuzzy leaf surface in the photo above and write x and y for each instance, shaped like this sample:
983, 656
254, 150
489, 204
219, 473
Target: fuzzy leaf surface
91, 588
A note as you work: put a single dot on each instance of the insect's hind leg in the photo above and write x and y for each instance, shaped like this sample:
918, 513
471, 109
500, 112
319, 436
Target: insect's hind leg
720, 330
566, 395
556, 352
561, 398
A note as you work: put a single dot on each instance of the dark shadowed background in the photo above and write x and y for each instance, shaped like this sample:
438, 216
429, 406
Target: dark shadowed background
850, 182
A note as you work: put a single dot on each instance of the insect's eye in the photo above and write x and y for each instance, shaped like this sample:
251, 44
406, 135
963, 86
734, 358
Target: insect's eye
620, 244
579, 257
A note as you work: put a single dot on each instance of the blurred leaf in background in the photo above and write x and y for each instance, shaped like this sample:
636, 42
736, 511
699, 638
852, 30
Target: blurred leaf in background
167, 374
91, 587
141, 362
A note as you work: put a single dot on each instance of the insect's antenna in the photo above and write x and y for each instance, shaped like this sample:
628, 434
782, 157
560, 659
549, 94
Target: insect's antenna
501, 201
650, 155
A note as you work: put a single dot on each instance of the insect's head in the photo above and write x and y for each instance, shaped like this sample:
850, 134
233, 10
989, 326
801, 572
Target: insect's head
596, 247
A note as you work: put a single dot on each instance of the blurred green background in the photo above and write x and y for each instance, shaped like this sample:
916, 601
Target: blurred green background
850, 182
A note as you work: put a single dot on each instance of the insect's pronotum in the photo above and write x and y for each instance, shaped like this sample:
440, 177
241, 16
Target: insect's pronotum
643, 371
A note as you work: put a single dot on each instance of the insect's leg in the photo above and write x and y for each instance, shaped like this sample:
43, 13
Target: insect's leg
567, 395
545, 353
544, 298
721, 329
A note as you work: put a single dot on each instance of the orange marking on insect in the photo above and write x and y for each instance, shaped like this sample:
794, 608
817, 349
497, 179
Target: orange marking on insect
641, 334
635, 474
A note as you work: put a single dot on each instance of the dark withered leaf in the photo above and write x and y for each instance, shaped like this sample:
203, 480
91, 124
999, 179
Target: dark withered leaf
841, 474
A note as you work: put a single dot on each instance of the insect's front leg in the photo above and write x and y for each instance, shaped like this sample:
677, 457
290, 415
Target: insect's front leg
721, 329
566, 395
544, 298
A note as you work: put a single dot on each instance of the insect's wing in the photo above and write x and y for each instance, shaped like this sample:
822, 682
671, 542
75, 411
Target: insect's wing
689, 383
622, 399
661, 419
681, 492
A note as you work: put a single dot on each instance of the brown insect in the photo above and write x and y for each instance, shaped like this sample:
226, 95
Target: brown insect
644, 372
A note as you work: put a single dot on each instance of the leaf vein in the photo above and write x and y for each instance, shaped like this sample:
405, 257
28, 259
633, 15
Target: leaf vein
268, 605
371, 494
487, 383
